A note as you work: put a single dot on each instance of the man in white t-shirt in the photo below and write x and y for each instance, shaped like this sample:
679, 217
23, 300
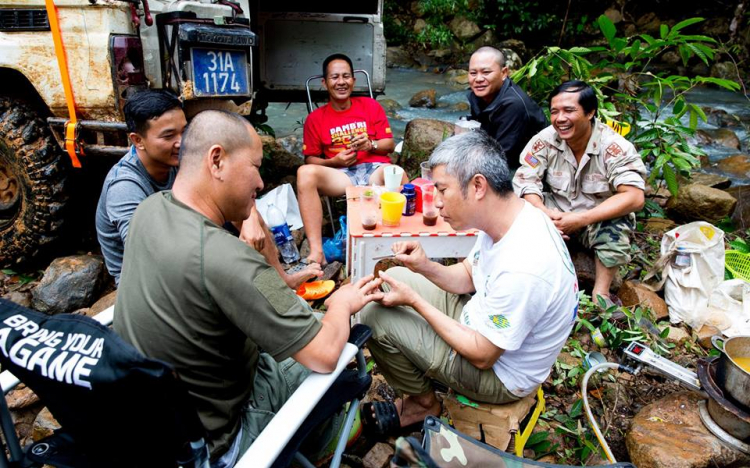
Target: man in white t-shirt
489, 327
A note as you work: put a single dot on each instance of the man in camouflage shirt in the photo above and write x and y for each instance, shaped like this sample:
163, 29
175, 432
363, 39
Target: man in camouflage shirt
587, 178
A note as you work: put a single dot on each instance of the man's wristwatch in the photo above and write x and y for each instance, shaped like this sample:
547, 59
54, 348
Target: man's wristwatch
374, 145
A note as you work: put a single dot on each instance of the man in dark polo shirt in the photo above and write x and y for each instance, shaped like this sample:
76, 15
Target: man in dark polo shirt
197, 297
503, 109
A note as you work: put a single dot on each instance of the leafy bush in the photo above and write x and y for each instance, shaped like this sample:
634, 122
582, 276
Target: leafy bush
622, 74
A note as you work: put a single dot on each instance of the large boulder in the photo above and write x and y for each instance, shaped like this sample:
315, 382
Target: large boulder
68, 284
425, 98
464, 29
390, 106
696, 202
669, 433
457, 78
632, 294
487, 38
709, 180
585, 267
738, 164
741, 215
421, 137
398, 57
719, 137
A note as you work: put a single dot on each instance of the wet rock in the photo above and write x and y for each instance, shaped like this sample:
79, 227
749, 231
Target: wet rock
425, 98
721, 118
669, 434
512, 60
697, 202
460, 107
614, 15
397, 56
703, 336
487, 38
616, 393
741, 215
281, 161
69, 283
649, 23
291, 144
724, 70
583, 261
457, 78
304, 249
299, 236
390, 106
419, 25
671, 57
417, 8
709, 180
659, 225
379, 456
719, 136
104, 302
738, 164
677, 335
513, 44
440, 54
632, 293
44, 425
464, 29
20, 398
331, 271
22, 298
421, 137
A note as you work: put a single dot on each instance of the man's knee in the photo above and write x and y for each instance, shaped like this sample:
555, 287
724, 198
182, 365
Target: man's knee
308, 176
610, 240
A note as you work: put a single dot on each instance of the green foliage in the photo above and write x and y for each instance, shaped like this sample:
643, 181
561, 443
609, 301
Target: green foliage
435, 36
514, 18
656, 105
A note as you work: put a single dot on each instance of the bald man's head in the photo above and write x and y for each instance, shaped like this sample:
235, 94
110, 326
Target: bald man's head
496, 55
213, 127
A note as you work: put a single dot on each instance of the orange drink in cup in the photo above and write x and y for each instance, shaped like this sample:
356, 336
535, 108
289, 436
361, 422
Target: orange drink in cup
392, 206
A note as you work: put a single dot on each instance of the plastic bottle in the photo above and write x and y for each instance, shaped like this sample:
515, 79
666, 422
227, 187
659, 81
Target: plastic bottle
410, 207
282, 235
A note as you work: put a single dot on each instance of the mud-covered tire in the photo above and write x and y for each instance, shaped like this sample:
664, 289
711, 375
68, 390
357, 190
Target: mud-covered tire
33, 171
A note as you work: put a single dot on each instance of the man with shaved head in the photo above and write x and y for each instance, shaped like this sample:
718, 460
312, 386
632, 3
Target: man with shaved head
503, 109
199, 298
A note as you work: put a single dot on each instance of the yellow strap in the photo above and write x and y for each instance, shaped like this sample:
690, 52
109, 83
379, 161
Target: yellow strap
70, 125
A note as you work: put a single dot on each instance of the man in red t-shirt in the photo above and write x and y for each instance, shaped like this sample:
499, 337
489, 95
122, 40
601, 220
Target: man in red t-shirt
346, 142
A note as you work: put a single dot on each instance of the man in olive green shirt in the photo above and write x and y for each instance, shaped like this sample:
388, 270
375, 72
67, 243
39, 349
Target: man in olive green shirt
195, 296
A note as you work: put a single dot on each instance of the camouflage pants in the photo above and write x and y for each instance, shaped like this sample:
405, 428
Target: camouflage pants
609, 239
409, 352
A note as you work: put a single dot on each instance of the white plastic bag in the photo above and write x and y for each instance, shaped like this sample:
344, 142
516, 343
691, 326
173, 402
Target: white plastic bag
729, 308
687, 289
284, 199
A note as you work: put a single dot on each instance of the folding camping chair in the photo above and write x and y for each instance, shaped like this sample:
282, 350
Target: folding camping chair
89, 378
311, 107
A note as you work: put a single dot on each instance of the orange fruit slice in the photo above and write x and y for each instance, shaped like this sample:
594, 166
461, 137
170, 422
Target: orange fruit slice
315, 289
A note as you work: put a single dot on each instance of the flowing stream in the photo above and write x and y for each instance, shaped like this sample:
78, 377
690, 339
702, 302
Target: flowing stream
402, 84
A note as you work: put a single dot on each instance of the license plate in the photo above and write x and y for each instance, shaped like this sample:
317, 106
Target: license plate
219, 72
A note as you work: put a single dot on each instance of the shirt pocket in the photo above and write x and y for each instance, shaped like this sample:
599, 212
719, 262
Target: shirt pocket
595, 185
559, 182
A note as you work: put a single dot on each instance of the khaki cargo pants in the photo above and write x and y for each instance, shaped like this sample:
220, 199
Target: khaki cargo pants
409, 353
609, 239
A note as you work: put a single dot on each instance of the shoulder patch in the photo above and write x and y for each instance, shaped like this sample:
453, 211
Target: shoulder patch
538, 146
615, 150
388, 130
531, 160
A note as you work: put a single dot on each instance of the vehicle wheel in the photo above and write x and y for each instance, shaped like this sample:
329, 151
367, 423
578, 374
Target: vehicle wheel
32, 177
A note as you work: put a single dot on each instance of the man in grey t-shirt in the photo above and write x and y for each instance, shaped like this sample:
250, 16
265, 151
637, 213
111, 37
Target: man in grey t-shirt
155, 121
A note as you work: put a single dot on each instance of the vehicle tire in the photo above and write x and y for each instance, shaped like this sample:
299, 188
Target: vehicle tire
33, 170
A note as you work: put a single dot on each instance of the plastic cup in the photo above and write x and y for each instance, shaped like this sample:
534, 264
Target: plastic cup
393, 175
463, 126
368, 203
426, 171
429, 211
392, 206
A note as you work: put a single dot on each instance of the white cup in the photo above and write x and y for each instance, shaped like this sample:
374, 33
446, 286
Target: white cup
393, 175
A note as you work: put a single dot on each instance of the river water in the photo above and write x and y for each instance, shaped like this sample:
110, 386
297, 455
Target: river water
402, 84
